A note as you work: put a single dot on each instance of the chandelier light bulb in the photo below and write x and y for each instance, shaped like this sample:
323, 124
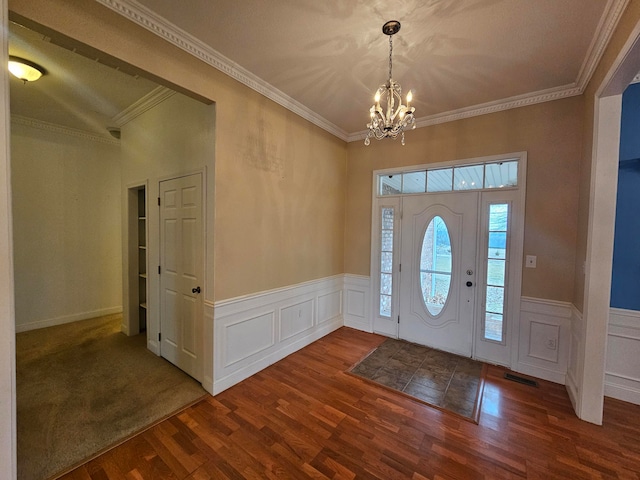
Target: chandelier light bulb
392, 118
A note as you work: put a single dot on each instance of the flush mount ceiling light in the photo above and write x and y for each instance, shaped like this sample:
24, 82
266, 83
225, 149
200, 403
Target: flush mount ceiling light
390, 120
25, 70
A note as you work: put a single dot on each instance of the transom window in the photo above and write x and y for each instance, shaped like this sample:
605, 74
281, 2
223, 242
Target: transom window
482, 176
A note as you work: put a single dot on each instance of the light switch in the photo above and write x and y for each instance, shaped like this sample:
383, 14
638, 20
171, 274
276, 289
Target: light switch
531, 261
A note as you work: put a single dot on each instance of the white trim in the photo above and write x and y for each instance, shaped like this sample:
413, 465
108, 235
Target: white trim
150, 100
574, 365
62, 130
50, 322
254, 331
607, 25
599, 252
153, 22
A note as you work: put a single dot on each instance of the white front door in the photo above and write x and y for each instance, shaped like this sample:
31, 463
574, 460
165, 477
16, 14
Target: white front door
181, 273
438, 264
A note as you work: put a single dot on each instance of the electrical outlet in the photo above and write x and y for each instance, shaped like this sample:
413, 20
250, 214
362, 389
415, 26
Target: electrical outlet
551, 344
531, 261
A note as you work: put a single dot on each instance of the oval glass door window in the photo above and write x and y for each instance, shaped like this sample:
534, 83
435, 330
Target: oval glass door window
435, 266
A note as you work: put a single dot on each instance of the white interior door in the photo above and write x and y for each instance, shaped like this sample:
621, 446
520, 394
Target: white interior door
438, 264
181, 273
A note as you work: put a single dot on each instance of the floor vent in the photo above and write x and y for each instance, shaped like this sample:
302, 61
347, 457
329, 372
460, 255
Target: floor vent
516, 378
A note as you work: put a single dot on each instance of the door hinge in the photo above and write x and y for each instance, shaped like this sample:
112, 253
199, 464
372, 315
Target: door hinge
158, 201
398, 319
159, 336
400, 268
159, 269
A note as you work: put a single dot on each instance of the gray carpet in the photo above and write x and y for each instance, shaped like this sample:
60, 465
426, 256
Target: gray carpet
85, 386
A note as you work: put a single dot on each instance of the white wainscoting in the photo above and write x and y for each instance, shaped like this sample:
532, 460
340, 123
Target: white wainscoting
357, 302
622, 370
255, 331
543, 349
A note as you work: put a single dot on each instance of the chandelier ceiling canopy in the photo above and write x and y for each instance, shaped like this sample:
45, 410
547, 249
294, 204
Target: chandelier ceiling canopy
391, 118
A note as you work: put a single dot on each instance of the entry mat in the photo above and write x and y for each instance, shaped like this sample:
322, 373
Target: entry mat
439, 379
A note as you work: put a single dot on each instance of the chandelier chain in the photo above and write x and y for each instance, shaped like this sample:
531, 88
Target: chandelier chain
390, 54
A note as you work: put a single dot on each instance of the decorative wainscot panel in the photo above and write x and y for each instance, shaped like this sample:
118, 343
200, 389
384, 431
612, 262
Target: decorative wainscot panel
622, 372
544, 343
255, 331
356, 302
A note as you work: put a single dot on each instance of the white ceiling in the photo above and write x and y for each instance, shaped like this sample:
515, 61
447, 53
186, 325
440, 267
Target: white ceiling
330, 56
325, 59
76, 92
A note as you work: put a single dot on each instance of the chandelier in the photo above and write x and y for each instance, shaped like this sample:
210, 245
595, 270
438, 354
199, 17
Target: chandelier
392, 119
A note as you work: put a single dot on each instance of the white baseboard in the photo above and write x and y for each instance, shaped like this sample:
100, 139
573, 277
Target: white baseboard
51, 322
254, 331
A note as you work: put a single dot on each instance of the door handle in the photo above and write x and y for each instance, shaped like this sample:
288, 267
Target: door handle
469, 284
195, 290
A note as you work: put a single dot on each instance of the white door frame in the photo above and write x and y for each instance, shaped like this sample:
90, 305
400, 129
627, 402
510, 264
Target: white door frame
8, 458
517, 246
588, 396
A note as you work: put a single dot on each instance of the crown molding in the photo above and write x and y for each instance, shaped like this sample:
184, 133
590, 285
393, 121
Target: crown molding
517, 101
607, 25
150, 100
62, 130
148, 19
153, 22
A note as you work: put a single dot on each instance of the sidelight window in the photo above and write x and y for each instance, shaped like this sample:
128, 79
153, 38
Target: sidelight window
386, 260
496, 272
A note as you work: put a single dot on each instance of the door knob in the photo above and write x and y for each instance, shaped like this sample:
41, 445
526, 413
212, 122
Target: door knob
195, 290
469, 284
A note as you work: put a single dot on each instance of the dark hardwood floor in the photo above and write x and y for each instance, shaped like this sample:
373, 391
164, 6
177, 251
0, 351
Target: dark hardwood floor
304, 417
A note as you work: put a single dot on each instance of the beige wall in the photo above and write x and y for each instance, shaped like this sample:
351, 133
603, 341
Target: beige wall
549, 132
66, 227
174, 138
624, 29
280, 180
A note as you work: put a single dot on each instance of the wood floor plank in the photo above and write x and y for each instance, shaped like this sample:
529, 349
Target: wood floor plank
304, 417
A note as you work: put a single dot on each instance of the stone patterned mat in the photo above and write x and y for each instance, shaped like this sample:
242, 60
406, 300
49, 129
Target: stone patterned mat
440, 379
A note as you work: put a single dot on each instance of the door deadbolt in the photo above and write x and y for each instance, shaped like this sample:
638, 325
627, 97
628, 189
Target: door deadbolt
469, 272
